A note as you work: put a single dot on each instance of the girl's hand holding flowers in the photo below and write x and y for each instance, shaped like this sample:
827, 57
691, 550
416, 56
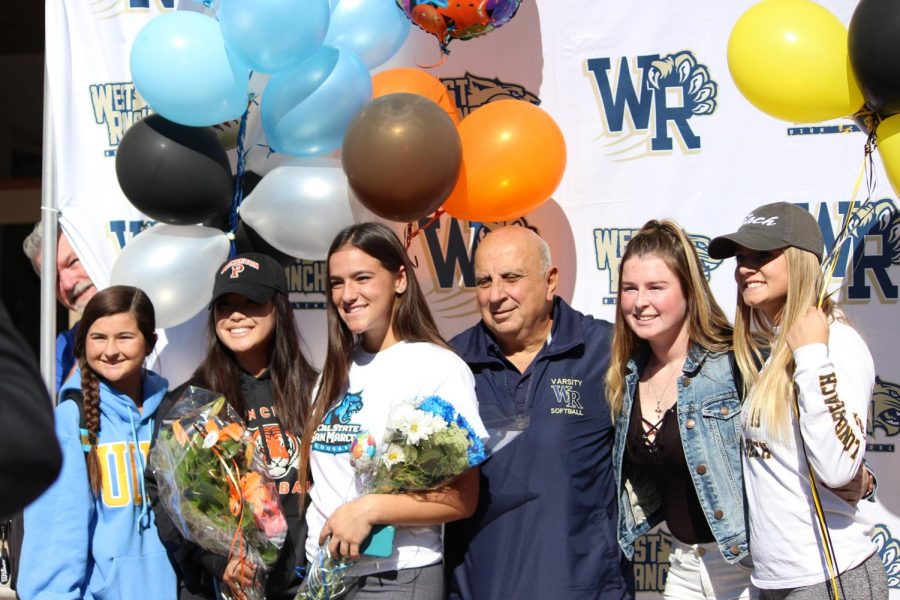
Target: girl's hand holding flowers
239, 575
348, 527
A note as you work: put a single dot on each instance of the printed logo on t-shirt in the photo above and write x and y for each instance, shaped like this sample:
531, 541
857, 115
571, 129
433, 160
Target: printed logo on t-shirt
336, 432
756, 449
568, 396
280, 449
842, 426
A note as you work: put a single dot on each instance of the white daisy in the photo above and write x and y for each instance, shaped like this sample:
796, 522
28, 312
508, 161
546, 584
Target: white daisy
393, 455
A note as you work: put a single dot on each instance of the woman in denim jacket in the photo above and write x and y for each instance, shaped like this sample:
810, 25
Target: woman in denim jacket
676, 406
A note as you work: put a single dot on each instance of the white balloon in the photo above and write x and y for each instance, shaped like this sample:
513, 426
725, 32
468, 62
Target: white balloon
300, 208
175, 265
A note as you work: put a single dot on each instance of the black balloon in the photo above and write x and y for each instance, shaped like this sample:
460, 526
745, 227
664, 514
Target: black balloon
174, 173
874, 46
247, 240
401, 155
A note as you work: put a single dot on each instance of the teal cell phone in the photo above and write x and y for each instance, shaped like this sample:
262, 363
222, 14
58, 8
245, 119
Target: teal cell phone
380, 542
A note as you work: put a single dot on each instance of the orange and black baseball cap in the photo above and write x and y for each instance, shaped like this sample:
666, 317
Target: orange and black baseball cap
254, 275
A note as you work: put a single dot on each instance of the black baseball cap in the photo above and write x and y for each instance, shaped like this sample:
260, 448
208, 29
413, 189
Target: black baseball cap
769, 227
254, 275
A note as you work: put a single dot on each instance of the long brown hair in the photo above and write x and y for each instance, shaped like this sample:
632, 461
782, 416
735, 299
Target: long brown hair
412, 320
111, 301
708, 326
292, 375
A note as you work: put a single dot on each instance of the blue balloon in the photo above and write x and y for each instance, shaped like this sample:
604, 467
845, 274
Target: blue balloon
373, 29
274, 35
305, 111
181, 67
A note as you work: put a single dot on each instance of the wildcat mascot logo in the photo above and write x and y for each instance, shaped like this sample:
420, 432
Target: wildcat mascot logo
884, 414
336, 432
471, 91
658, 98
889, 550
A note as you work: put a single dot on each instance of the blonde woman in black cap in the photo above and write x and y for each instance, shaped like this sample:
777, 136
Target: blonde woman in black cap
810, 355
254, 359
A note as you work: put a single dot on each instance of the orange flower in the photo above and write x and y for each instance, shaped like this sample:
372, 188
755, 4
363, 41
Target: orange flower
252, 492
232, 430
180, 433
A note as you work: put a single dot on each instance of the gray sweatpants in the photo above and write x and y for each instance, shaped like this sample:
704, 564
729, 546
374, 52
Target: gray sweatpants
865, 582
426, 583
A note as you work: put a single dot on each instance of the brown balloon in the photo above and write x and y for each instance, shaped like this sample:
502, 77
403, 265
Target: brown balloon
401, 155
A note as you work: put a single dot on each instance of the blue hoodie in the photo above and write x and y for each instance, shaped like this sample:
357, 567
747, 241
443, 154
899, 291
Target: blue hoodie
103, 548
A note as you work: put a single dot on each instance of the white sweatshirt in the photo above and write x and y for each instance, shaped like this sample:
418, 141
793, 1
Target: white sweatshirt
835, 386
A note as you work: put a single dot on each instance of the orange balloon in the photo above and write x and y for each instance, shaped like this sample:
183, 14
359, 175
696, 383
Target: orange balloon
414, 81
514, 156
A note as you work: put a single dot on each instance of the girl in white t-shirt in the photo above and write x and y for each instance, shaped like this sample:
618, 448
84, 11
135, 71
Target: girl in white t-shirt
383, 347
814, 354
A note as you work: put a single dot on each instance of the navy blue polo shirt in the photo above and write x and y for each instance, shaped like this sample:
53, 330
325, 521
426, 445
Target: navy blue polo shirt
545, 526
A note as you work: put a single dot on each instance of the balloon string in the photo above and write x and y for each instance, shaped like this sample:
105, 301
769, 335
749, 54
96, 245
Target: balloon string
853, 217
239, 176
412, 233
444, 54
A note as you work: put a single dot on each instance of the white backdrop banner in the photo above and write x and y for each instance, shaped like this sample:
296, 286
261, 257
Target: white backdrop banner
654, 128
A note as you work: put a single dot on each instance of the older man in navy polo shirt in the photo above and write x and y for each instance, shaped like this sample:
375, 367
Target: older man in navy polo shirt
545, 526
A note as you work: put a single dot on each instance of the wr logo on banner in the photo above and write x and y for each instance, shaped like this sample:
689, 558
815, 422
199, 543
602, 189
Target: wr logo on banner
669, 90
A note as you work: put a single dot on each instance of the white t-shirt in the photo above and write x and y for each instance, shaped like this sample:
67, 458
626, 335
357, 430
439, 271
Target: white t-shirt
404, 371
835, 386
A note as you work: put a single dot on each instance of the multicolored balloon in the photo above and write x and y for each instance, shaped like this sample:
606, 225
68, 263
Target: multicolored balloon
455, 20
362, 449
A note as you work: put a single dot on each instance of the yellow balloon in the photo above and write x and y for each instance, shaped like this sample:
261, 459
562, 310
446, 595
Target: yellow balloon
888, 136
789, 59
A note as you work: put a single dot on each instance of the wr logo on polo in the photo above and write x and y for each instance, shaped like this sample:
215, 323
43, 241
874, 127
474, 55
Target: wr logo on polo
565, 393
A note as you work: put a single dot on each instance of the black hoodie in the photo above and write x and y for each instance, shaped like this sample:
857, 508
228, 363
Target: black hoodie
196, 567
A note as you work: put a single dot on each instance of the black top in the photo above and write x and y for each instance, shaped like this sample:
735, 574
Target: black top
30, 457
196, 567
663, 462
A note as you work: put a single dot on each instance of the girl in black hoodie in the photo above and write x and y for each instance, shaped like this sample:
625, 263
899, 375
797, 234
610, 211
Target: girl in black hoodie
254, 359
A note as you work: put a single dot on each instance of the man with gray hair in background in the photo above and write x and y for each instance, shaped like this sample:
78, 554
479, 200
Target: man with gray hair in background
545, 526
74, 289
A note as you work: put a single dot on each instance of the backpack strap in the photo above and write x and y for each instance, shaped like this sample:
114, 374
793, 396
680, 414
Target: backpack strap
736, 375
78, 398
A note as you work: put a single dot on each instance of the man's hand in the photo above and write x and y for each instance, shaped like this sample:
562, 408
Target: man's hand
856, 488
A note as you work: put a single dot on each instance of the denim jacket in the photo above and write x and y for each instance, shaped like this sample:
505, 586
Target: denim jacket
709, 421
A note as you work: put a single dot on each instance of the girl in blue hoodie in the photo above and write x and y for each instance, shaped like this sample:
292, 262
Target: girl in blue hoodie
92, 534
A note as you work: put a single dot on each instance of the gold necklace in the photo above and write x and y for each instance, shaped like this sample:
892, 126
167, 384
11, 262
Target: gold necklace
674, 369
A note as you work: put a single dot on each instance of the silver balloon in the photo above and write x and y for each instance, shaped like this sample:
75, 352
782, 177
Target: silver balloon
300, 208
175, 265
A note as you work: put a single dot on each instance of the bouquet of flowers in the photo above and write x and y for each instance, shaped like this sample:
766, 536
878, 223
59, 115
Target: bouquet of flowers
214, 486
427, 443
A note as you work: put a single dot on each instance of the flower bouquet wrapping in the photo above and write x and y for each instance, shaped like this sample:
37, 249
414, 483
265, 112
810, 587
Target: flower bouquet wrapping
214, 485
427, 443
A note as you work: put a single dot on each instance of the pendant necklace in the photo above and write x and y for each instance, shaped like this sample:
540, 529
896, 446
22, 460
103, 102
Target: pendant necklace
658, 396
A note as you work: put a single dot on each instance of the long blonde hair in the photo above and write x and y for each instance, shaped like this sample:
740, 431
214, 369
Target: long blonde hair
707, 324
771, 390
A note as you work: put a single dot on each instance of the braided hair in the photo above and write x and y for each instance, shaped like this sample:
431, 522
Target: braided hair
111, 301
